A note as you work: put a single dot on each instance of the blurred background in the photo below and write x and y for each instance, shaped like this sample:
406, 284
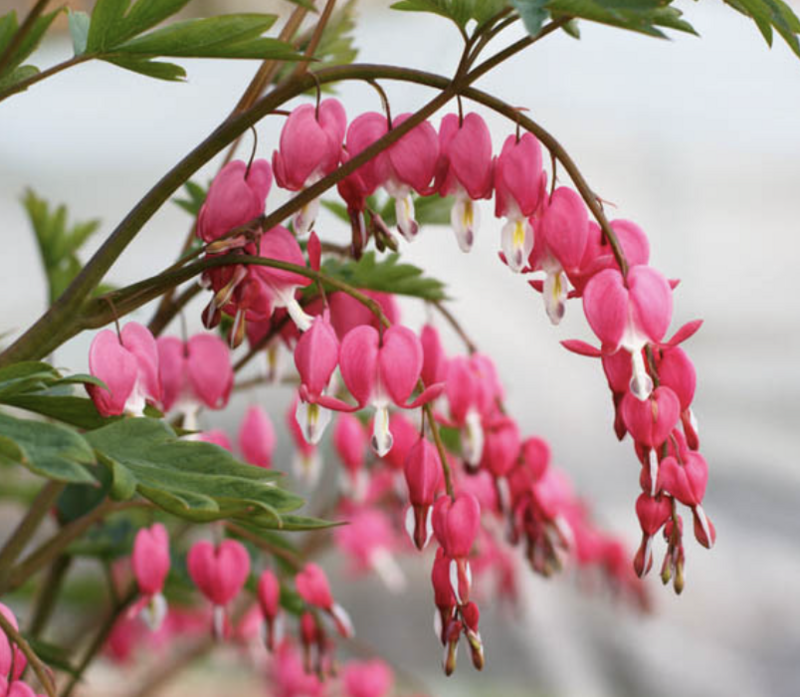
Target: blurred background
696, 140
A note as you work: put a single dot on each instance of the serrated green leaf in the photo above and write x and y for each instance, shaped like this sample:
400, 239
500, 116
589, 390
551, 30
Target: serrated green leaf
8, 27
123, 481
79, 23
75, 411
459, 11
192, 479
23, 72
769, 14
532, 13
192, 204
338, 209
58, 243
387, 275
224, 36
643, 16
26, 376
49, 450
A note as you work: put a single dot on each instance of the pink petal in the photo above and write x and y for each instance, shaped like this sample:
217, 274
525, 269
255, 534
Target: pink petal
400, 361
209, 369
117, 368
358, 362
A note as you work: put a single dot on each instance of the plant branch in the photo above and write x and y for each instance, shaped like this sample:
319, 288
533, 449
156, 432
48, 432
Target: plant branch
22, 85
35, 662
316, 37
55, 325
49, 550
47, 595
27, 528
456, 325
22, 32
100, 638
437, 439
286, 554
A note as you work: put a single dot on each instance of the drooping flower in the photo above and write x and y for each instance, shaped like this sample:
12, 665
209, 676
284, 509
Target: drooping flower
310, 149
257, 437
520, 184
128, 365
379, 372
220, 573
465, 171
151, 562
313, 587
195, 374
236, 196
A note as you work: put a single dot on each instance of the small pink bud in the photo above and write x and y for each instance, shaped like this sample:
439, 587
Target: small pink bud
367, 679
257, 437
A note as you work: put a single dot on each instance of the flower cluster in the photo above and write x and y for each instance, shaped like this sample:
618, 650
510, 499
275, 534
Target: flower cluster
424, 438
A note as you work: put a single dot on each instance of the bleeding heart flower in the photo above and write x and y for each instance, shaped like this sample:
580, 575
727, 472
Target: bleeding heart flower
236, 196
10, 655
257, 437
629, 313
367, 678
310, 149
197, 373
316, 357
423, 473
520, 184
220, 573
465, 170
313, 587
151, 562
560, 241
128, 365
269, 595
380, 372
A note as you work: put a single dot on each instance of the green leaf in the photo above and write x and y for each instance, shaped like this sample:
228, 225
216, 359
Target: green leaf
195, 200
8, 28
48, 450
160, 70
192, 479
78, 499
533, 14
107, 25
769, 15
58, 242
643, 16
459, 11
224, 36
54, 656
387, 275
23, 72
338, 208
76, 411
27, 376
79, 31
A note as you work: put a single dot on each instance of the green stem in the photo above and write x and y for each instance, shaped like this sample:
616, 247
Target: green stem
27, 528
22, 85
437, 439
100, 639
47, 595
54, 327
51, 549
